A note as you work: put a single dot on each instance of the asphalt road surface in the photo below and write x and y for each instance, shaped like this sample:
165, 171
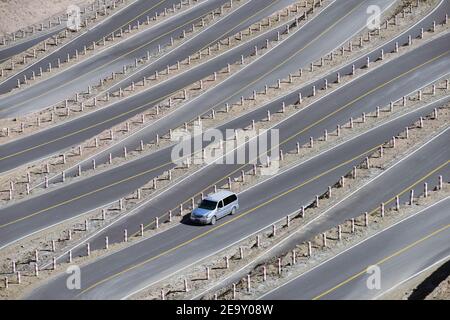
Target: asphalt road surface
241, 19
387, 83
400, 252
400, 179
130, 15
121, 274
132, 142
20, 46
308, 44
99, 66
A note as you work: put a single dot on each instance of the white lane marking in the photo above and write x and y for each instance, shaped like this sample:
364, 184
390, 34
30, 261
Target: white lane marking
267, 226
86, 31
152, 123
281, 242
411, 277
355, 245
203, 168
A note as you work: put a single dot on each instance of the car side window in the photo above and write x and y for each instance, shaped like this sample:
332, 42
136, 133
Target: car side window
229, 199
221, 204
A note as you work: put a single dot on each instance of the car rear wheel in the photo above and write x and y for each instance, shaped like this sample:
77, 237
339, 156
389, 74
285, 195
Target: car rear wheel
213, 220
233, 211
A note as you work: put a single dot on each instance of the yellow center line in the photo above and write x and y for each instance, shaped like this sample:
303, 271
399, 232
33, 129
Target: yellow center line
142, 46
263, 204
168, 163
81, 196
204, 234
318, 122
107, 186
414, 184
138, 16
129, 21
108, 63
132, 110
395, 254
102, 188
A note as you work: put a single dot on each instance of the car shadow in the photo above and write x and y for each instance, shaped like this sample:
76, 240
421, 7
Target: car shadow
187, 221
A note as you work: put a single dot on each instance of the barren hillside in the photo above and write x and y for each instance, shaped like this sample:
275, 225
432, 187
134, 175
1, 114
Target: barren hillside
16, 14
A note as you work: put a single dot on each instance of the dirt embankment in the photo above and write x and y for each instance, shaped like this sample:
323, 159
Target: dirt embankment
432, 284
436, 286
17, 14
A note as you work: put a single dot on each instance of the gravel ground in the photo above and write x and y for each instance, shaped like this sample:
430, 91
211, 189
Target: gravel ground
43, 48
18, 14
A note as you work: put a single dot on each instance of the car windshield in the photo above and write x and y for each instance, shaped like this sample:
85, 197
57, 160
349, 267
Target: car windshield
208, 205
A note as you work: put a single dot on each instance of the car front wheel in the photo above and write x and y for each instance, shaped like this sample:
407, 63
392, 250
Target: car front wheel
213, 220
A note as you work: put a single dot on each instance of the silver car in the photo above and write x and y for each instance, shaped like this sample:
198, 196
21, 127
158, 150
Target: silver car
215, 206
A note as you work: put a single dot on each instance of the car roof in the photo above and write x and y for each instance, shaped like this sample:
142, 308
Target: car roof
219, 195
